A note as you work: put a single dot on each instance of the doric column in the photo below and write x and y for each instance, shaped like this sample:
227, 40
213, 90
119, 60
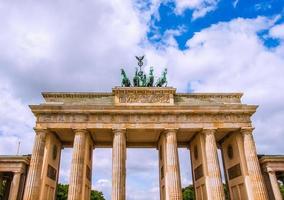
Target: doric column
274, 184
33, 183
118, 164
172, 171
75, 191
257, 182
14, 188
215, 185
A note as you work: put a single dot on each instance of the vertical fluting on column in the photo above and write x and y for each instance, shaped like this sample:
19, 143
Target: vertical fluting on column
77, 167
274, 184
214, 175
118, 164
14, 188
172, 171
33, 183
257, 182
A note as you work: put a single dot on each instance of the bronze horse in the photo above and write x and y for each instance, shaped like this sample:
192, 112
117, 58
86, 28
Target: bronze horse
125, 82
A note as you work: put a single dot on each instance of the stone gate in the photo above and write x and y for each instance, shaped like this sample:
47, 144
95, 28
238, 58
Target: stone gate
152, 117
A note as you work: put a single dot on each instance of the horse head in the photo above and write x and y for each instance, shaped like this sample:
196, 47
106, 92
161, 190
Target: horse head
122, 72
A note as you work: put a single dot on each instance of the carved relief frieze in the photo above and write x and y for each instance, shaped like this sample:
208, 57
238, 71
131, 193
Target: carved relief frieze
144, 98
149, 96
143, 118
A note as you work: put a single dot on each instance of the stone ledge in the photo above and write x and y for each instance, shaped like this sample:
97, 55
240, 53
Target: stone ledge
137, 96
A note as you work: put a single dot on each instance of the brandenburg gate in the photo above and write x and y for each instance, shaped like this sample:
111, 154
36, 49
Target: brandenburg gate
147, 117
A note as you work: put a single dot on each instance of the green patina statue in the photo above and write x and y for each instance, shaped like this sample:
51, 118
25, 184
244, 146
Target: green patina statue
150, 80
163, 80
141, 80
125, 82
136, 79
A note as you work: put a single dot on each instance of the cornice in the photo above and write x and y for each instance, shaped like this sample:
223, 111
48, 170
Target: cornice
195, 109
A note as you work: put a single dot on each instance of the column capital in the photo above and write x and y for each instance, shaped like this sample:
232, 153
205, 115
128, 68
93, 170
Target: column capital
246, 130
18, 172
76, 130
118, 130
41, 131
166, 130
209, 131
270, 170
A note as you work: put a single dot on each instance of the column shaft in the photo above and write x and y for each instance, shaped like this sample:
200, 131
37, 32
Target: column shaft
215, 184
33, 183
14, 189
274, 185
172, 171
118, 165
257, 182
75, 191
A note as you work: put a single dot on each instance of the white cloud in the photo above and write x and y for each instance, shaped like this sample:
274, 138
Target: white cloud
15, 123
103, 185
277, 31
67, 38
143, 194
230, 56
200, 7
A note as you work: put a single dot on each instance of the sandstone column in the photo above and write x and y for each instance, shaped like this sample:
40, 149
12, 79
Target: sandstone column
171, 167
214, 179
14, 188
257, 182
274, 184
118, 164
33, 183
75, 191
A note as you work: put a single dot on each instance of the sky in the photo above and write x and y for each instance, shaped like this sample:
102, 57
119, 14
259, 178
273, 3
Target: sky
75, 45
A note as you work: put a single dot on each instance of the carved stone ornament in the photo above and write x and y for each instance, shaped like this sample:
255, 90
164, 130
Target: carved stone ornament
144, 96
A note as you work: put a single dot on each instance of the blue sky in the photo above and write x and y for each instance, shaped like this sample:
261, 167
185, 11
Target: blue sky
225, 11
207, 46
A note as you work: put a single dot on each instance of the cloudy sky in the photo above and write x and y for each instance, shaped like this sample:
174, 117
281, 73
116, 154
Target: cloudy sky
75, 45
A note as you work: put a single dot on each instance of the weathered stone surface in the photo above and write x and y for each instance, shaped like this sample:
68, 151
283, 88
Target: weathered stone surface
258, 187
169, 164
80, 176
155, 117
118, 164
207, 175
33, 183
141, 96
